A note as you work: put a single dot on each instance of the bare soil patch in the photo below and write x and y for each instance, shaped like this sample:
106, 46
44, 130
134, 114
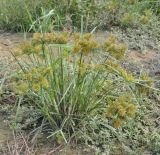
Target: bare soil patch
140, 57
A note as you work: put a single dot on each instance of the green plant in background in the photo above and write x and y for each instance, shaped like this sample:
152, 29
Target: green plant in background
13, 15
18, 15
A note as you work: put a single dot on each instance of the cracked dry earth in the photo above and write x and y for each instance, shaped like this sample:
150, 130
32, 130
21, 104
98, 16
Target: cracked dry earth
135, 61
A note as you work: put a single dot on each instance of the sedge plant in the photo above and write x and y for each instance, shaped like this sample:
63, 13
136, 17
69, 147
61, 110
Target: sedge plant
61, 75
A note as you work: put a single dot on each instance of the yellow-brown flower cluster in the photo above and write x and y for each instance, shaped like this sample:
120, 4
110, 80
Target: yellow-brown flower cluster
50, 38
35, 78
114, 67
95, 66
28, 48
62, 38
84, 44
82, 69
17, 51
144, 84
22, 88
85, 67
120, 109
114, 48
125, 75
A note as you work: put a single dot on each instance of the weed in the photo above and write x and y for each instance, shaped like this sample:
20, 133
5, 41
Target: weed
63, 81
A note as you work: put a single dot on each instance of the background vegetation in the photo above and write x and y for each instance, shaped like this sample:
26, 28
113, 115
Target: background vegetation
18, 15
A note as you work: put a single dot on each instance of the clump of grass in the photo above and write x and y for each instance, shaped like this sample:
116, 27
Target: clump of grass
63, 79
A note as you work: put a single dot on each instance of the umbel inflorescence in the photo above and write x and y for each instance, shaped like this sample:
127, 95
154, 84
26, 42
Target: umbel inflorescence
71, 86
